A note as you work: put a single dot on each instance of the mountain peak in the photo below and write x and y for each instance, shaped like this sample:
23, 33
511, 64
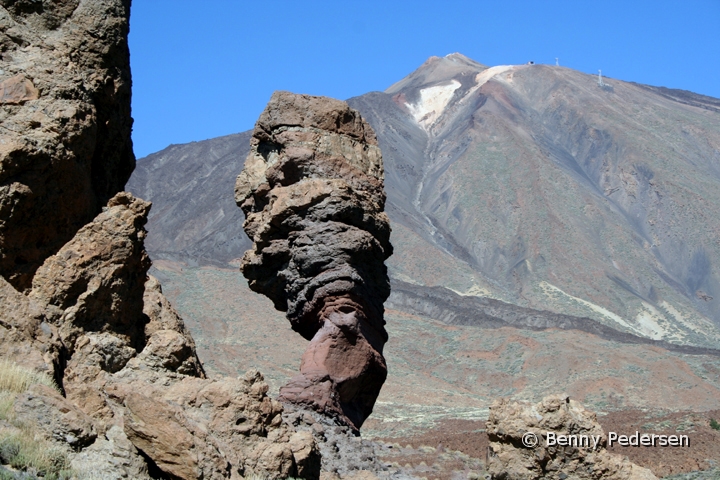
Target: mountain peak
458, 57
437, 70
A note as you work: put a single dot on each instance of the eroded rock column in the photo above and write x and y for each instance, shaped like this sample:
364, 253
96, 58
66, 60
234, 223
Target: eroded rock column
312, 192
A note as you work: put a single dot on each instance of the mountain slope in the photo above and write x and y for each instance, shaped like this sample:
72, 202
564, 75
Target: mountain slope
558, 193
194, 216
531, 184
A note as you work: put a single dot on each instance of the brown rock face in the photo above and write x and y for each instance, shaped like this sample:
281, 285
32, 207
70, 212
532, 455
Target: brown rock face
92, 307
512, 455
134, 387
312, 192
65, 146
76, 300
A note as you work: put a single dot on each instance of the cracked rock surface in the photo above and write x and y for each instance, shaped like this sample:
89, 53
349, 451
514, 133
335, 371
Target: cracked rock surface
65, 123
76, 300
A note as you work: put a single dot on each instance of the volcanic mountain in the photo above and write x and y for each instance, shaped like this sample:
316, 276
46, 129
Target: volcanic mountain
530, 184
551, 233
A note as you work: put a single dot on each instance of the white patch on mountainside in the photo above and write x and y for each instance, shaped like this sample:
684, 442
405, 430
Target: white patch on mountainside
606, 314
434, 100
664, 323
648, 321
690, 321
432, 103
483, 77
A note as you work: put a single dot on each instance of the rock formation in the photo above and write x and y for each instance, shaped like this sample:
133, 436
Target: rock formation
510, 458
312, 192
66, 148
134, 387
77, 300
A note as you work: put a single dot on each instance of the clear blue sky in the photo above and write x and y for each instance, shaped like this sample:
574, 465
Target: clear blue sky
202, 69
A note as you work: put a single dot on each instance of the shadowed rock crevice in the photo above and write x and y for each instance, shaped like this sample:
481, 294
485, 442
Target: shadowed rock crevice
312, 192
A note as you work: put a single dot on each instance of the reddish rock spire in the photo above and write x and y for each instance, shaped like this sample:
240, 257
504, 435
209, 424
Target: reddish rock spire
312, 192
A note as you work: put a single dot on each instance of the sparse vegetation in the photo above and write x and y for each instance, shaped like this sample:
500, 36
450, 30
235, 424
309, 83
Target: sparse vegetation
16, 379
21, 447
714, 424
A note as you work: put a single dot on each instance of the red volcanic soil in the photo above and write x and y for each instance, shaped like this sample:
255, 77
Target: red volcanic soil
704, 442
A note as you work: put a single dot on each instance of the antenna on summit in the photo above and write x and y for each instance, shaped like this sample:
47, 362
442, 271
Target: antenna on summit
557, 62
602, 84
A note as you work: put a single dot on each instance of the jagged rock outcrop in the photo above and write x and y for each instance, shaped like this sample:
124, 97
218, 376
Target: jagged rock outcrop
65, 144
134, 387
312, 192
512, 455
77, 300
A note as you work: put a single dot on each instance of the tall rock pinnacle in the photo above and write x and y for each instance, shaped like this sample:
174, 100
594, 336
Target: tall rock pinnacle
312, 192
65, 146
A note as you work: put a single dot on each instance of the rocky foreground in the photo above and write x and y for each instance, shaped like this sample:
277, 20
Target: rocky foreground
77, 303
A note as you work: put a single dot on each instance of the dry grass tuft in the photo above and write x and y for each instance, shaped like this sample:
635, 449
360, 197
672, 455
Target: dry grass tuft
23, 450
21, 446
17, 379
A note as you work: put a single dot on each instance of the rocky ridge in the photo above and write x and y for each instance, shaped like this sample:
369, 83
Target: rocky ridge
132, 381
312, 192
65, 114
78, 304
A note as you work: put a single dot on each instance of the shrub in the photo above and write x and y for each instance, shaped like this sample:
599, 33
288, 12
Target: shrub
21, 446
714, 424
22, 450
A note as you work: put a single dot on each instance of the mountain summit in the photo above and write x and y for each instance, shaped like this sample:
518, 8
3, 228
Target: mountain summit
549, 190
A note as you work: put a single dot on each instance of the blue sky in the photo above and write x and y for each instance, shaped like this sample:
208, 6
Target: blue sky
205, 69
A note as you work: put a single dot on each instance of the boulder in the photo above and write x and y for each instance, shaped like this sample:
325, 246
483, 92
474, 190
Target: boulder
45, 408
124, 359
519, 447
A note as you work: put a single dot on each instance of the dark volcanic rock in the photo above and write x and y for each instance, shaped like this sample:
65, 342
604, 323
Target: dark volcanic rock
66, 148
447, 306
312, 192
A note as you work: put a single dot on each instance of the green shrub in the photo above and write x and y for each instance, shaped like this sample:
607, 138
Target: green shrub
21, 449
714, 424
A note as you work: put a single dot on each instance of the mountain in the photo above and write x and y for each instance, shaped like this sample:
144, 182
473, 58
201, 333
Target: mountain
193, 216
550, 234
530, 184
549, 191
